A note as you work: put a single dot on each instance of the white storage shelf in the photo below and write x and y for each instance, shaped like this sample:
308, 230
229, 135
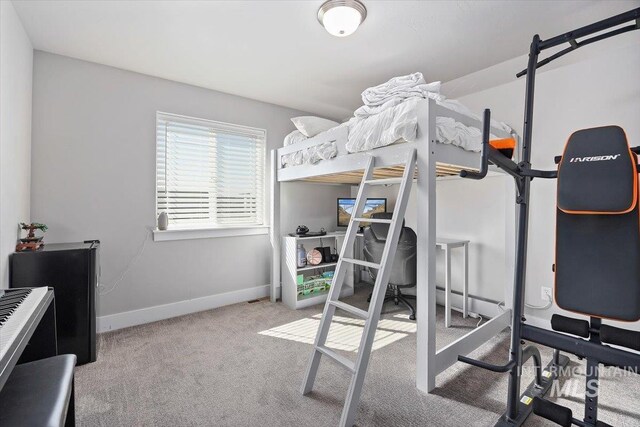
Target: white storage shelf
290, 270
319, 266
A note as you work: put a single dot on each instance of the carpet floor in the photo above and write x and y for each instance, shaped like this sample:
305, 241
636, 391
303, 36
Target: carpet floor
242, 365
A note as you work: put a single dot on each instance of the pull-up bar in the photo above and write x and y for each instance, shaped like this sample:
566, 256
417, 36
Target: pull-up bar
570, 37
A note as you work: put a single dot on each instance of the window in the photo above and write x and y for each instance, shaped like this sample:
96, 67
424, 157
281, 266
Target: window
209, 174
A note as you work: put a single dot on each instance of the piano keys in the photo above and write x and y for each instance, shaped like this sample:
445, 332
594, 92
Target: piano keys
36, 385
21, 313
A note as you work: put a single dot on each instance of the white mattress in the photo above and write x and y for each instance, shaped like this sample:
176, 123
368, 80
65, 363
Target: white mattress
393, 125
400, 123
326, 147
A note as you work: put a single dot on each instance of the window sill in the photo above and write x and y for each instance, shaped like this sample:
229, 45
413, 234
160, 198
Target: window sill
207, 233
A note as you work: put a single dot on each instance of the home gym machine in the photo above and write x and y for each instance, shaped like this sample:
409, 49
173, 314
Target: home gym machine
597, 264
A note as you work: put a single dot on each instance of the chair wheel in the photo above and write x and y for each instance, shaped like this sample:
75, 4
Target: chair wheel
412, 317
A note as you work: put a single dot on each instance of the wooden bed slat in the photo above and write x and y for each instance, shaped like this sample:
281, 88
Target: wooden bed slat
354, 177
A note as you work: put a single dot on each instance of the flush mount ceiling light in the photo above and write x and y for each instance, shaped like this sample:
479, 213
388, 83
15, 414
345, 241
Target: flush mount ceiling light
341, 17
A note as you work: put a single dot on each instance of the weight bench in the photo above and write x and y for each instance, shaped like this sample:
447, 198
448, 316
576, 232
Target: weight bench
597, 273
597, 267
40, 393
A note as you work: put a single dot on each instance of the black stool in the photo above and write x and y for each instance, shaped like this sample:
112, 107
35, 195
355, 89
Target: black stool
40, 393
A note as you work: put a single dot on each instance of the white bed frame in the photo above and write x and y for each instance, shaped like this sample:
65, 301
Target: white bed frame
430, 360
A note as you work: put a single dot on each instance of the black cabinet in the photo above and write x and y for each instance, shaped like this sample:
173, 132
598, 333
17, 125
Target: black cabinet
72, 269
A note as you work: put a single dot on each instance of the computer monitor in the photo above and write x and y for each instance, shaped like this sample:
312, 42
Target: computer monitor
346, 205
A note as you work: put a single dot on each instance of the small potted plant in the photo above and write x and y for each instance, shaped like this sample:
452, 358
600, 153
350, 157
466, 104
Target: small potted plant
31, 242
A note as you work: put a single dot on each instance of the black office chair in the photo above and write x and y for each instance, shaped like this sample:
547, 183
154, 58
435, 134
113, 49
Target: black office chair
403, 273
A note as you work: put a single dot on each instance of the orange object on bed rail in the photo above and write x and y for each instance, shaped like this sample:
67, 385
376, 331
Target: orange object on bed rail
505, 145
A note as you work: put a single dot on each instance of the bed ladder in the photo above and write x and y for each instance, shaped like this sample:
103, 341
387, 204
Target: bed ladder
358, 368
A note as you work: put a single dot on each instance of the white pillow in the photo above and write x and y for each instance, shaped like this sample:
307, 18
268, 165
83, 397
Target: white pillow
294, 137
310, 126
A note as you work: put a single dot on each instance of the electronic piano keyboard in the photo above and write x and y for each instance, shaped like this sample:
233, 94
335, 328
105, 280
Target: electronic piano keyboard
21, 310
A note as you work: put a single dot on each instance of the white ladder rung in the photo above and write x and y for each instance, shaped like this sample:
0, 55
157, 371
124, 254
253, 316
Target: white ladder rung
362, 263
358, 367
341, 360
350, 309
384, 181
373, 220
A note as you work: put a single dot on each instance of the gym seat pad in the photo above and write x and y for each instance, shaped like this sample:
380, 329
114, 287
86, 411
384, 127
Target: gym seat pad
597, 227
597, 174
37, 393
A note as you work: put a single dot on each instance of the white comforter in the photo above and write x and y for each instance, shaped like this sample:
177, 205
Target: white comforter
397, 90
311, 155
400, 123
389, 115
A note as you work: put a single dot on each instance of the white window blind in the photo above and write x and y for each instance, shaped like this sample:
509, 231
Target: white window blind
209, 174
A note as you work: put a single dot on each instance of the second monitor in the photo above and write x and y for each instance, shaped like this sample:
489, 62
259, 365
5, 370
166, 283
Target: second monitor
346, 205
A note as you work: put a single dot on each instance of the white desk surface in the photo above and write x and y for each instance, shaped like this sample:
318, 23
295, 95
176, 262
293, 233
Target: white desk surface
444, 241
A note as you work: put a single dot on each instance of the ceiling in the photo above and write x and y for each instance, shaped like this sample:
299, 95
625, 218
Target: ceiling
275, 51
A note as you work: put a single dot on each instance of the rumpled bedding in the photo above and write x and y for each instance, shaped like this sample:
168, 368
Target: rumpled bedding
311, 155
389, 115
400, 123
294, 137
458, 107
402, 85
397, 90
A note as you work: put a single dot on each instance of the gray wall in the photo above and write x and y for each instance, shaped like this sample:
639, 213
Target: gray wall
477, 212
313, 205
16, 67
93, 178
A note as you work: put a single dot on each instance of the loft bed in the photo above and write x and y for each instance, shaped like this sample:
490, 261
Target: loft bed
434, 159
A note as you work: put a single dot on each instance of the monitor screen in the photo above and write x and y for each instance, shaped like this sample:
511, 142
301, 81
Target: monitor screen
346, 205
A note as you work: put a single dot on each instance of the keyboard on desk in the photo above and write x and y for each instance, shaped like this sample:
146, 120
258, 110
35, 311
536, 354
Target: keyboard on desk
20, 312
36, 385
9, 302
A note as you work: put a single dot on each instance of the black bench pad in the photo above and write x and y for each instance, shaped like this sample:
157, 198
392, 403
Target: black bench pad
37, 393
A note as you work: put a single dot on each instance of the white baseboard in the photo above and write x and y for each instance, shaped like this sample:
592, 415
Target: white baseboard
483, 308
180, 308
